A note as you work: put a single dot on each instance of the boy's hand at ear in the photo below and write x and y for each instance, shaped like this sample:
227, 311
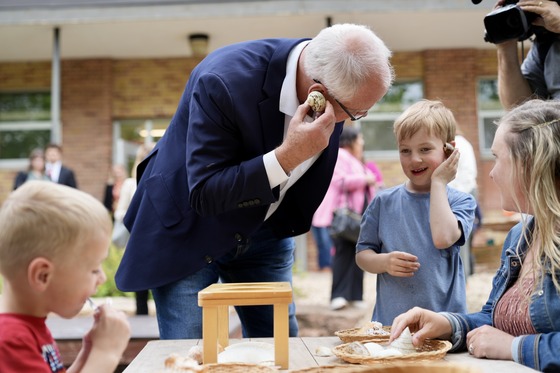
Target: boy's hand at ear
447, 170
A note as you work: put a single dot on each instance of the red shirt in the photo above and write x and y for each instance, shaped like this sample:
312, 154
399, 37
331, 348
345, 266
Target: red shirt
27, 345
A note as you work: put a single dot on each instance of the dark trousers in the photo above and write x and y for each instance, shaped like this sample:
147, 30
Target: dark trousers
348, 278
142, 302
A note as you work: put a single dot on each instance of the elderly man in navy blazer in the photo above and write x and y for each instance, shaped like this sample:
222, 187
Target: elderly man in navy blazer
242, 168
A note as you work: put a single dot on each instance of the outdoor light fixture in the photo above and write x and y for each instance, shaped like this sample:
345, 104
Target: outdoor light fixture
199, 44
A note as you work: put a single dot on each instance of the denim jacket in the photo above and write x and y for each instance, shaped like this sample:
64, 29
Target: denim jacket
538, 351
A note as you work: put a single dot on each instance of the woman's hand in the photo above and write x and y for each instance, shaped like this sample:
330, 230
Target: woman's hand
423, 323
489, 342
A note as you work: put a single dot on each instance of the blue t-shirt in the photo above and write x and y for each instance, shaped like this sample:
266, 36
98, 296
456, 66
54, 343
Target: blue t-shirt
398, 220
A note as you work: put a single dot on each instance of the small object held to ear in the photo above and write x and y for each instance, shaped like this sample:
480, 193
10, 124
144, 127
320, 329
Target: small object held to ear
317, 102
448, 149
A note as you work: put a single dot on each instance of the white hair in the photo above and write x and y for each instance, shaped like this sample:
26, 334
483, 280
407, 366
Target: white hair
345, 56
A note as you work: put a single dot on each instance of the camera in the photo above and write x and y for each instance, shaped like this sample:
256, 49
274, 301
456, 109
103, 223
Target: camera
508, 22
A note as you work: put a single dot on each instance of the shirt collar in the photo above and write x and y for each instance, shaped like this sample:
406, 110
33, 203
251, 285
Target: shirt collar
288, 95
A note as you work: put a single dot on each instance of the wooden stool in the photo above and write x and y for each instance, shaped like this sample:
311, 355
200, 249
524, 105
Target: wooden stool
215, 301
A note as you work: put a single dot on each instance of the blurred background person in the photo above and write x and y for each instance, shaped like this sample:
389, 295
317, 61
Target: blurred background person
353, 186
55, 170
115, 181
125, 196
373, 167
466, 181
35, 169
319, 229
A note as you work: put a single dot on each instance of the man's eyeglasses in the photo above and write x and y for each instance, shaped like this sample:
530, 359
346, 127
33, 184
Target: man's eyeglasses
353, 117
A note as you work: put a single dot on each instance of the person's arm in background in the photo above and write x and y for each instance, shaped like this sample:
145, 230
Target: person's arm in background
513, 88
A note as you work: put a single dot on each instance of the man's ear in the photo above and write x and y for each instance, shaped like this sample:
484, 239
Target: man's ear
39, 273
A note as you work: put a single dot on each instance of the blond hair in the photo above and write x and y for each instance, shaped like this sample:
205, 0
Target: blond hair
430, 115
533, 140
45, 219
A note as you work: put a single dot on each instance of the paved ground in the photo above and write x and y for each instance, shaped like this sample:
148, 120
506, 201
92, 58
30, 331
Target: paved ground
313, 289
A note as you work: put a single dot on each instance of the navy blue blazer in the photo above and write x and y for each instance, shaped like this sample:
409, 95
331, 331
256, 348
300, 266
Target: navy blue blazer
67, 177
204, 190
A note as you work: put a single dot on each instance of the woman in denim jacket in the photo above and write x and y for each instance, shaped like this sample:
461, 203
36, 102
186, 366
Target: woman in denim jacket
521, 319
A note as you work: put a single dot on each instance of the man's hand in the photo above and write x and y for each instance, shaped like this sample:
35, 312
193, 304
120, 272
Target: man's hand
548, 11
305, 139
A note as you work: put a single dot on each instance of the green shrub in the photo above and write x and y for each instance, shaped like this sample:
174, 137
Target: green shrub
110, 265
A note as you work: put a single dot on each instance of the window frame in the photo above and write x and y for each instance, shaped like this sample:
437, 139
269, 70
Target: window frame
25, 126
375, 116
484, 114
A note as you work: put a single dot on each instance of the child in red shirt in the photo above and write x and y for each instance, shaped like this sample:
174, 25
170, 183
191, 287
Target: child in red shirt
53, 239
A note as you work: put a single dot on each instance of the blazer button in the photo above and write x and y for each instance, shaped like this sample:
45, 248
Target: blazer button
208, 259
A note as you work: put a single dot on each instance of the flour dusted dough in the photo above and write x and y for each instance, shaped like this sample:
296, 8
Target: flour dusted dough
248, 352
404, 343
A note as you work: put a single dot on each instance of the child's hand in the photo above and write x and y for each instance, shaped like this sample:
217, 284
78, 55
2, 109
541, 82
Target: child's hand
401, 264
105, 343
447, 170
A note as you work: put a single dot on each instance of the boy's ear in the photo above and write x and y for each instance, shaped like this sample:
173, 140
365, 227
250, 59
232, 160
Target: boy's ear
39, 273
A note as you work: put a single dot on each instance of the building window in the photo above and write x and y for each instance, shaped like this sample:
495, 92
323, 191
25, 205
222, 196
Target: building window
25, 124
489, 111
377, 126
128, 134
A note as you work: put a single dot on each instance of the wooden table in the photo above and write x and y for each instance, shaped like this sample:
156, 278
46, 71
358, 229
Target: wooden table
302, 355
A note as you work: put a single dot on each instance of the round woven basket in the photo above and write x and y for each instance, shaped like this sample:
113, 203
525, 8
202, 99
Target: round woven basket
431, 350
411, 367
357, 335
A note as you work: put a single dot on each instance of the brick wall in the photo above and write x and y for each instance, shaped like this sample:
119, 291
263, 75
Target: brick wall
98, 91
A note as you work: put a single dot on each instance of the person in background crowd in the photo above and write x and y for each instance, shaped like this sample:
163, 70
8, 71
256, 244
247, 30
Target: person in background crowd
411, 234
373, 167
539, 75
113, 187
127, 191
466, 182
242, 168
35, 169
521, 319
319, 229
53, 239
352, 186
54, 168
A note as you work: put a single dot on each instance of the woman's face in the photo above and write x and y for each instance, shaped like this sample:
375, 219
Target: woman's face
501, 173
38, 164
